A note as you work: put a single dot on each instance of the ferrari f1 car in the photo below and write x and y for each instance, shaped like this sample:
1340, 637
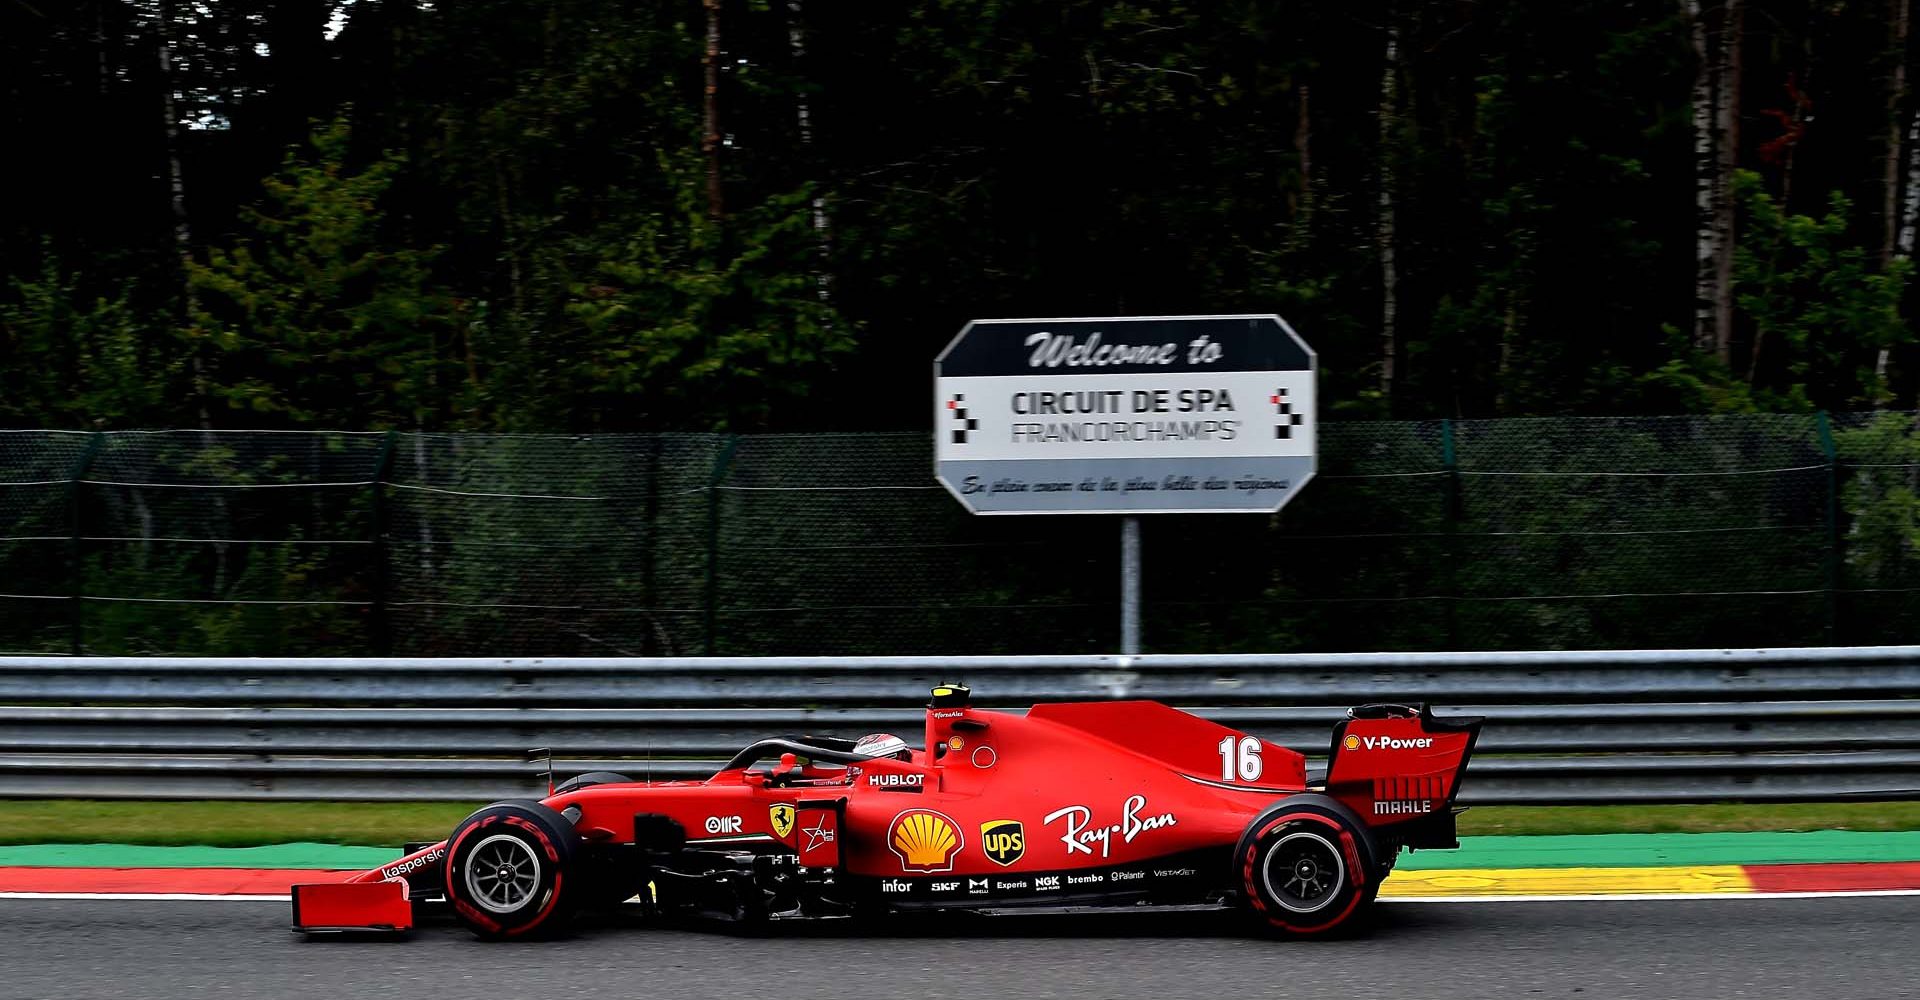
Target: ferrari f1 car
1082, 804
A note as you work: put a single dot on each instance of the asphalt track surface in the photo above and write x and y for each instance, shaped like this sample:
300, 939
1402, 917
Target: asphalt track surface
1742, 947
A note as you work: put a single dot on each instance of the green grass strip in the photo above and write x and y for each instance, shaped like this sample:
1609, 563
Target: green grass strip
144, 856
1705, 818
1615, 850
225, 824
1646, 850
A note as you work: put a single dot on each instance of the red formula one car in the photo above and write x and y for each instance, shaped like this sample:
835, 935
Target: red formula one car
1083, 804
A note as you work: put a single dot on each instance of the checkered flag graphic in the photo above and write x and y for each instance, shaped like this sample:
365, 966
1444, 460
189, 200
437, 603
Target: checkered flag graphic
963, 424
1287, 420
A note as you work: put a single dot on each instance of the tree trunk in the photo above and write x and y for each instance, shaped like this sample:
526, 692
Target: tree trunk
183, 246
797, 51
803, 111
710, 139
296, 36
1896, 99
1507, 330
100, 44
1298, 199
1727, 115
1910, 205
1897, 227
177, 200
1384, 224
1705, 253
176, 180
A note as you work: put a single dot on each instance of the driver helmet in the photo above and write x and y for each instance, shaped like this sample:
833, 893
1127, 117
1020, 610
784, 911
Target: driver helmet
882, 745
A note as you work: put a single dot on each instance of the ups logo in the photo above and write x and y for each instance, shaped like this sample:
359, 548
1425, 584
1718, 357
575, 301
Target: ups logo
1004, 840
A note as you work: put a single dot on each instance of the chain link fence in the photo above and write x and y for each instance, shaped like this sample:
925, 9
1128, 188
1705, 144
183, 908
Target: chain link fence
1751, 530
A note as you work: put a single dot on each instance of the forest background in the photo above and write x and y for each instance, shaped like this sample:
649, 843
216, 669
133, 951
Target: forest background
707, 221
754, 215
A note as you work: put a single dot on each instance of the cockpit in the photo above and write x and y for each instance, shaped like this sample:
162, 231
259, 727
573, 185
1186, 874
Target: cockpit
886, 759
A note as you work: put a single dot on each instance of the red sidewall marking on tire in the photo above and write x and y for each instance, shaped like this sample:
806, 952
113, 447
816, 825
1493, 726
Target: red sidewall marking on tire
1355, 876
553, 892
460, 905
546, 846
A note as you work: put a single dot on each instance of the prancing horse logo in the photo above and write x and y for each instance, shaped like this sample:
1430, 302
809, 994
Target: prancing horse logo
782, 818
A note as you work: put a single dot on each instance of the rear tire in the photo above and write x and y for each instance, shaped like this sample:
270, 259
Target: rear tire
510, 869
1306, 868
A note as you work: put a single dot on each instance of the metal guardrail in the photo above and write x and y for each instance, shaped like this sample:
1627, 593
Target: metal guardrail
1242, 679
1658, 725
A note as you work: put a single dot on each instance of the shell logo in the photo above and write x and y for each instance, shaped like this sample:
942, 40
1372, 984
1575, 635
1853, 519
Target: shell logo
1352, 743
925, 841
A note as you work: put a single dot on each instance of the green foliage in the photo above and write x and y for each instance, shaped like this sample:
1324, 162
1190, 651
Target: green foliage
535, 252
315, 317
74, 359
701, 326
1882, 497
1820, 305
1689, 383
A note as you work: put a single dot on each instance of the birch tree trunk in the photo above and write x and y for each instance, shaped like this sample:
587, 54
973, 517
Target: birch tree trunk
177, 202
1897, 230
183, 246
710, 138
1384, 224
100, 44
1910, 205
803, 111
1896, 100
170, 125
1727, 116
1705, 252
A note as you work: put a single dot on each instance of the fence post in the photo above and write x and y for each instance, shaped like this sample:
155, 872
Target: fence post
1834, 559
649, 569
721, 464
76, 556
381, 631
1451, 599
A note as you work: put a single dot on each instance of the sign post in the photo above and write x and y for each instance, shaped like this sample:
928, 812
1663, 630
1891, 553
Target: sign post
1130, 585
1125, 415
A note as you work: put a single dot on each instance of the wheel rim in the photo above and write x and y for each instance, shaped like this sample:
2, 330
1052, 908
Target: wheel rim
503, 873
1304, 872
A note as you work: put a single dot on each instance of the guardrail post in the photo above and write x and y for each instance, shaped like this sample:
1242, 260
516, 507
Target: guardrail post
379, 629
1834, 559
76, 556
721, 464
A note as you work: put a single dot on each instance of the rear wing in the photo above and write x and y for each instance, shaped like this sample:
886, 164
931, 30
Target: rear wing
1399, 767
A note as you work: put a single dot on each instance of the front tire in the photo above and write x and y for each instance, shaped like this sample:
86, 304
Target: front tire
1306, 868
509, 870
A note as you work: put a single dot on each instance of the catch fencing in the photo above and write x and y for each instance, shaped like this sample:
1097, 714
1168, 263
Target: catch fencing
1574, 533
1590, 727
